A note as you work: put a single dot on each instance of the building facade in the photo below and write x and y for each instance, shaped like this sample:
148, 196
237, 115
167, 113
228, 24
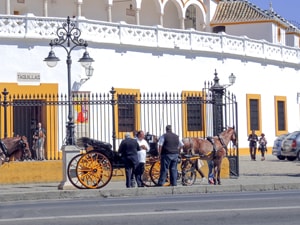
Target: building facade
160, 46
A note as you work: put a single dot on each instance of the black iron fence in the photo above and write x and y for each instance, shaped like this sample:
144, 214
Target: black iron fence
109, 116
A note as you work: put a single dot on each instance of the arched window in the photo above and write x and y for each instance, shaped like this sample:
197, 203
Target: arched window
190, 17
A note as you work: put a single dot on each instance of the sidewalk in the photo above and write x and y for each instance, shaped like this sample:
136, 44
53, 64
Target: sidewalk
271, 174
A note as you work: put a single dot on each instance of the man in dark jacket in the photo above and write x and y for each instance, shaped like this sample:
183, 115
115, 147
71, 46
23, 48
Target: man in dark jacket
169, 146
128, 150
253, 139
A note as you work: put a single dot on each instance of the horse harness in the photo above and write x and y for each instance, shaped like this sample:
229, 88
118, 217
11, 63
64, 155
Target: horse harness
211, 140
3, 147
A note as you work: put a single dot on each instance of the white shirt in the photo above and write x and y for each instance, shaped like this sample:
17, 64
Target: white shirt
143, 152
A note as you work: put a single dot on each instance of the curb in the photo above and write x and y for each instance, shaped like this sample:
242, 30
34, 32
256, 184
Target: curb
151, 191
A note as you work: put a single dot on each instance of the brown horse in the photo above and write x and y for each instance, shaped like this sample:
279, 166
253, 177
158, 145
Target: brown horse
14, 149
212, 151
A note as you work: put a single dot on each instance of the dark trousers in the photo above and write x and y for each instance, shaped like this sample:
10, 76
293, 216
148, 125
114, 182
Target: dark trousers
139, 174
130, 167
168, 163
262, 150
252, 152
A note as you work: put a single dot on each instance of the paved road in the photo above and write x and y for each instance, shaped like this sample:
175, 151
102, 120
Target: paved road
270, 174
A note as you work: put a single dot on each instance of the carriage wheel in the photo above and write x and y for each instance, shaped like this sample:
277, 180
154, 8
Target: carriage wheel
146, 178
188, 172
94, 170
155, 173
72, 174
189, 177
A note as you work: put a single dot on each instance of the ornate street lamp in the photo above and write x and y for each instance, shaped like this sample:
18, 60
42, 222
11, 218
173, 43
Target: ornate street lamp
217, 98
89, 73
68, 37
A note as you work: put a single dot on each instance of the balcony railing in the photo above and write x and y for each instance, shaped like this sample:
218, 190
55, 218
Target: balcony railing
32, 27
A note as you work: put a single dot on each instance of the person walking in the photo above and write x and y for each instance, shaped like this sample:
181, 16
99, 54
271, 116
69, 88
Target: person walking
128, 150
169, 146
253, 139
262, 146
144, 148
39, 137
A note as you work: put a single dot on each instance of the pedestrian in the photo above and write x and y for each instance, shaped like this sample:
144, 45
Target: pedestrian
169, 146
253, 139
262, 146
128, 150
39, 137
144, 148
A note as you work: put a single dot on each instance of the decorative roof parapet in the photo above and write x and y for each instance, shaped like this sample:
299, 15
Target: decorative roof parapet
151, 37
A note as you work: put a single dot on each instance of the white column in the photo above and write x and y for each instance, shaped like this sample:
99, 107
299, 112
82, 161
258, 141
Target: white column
79, 3
109, 19
45, 8
182, 23
137, 16
7, 4
161, 19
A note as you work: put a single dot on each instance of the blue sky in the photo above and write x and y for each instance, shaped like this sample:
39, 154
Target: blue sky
288, 9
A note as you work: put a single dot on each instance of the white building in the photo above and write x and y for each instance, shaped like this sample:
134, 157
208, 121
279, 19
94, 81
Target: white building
158, 46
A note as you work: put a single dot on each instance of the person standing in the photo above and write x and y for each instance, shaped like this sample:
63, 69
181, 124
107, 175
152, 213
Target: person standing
169, 146
253, 139
39, 137
262, 146
144, 146
128, 150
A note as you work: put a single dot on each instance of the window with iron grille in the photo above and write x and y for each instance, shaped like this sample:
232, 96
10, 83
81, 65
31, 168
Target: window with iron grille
126, 113
281, 115
194, 114
254, 114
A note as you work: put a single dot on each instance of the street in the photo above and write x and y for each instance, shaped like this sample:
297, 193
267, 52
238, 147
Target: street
281, 207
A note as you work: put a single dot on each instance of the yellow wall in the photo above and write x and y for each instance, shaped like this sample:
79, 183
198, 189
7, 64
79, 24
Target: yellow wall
41, 92
31, 172
51, 171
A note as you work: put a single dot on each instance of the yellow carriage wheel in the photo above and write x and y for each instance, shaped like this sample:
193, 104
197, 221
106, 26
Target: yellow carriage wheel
155, 173
146, 178
94, 170
72, 172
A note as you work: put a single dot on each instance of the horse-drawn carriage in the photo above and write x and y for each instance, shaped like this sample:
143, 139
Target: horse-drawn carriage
94, 168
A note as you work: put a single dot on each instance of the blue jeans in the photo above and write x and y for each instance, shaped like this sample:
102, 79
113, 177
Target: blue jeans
168, 163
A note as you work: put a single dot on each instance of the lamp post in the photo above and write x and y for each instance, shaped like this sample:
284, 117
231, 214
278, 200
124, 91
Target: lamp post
217, 98
68, 37
5, 103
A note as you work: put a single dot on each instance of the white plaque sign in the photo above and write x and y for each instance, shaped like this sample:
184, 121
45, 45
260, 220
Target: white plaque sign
28, 77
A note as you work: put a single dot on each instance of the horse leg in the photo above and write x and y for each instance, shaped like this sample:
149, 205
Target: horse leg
215, 174
2, 157
218, 175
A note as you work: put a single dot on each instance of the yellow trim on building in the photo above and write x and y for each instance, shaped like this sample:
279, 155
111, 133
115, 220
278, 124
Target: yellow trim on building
258, 98
49, 114
185, 131
276, 100
137, 109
